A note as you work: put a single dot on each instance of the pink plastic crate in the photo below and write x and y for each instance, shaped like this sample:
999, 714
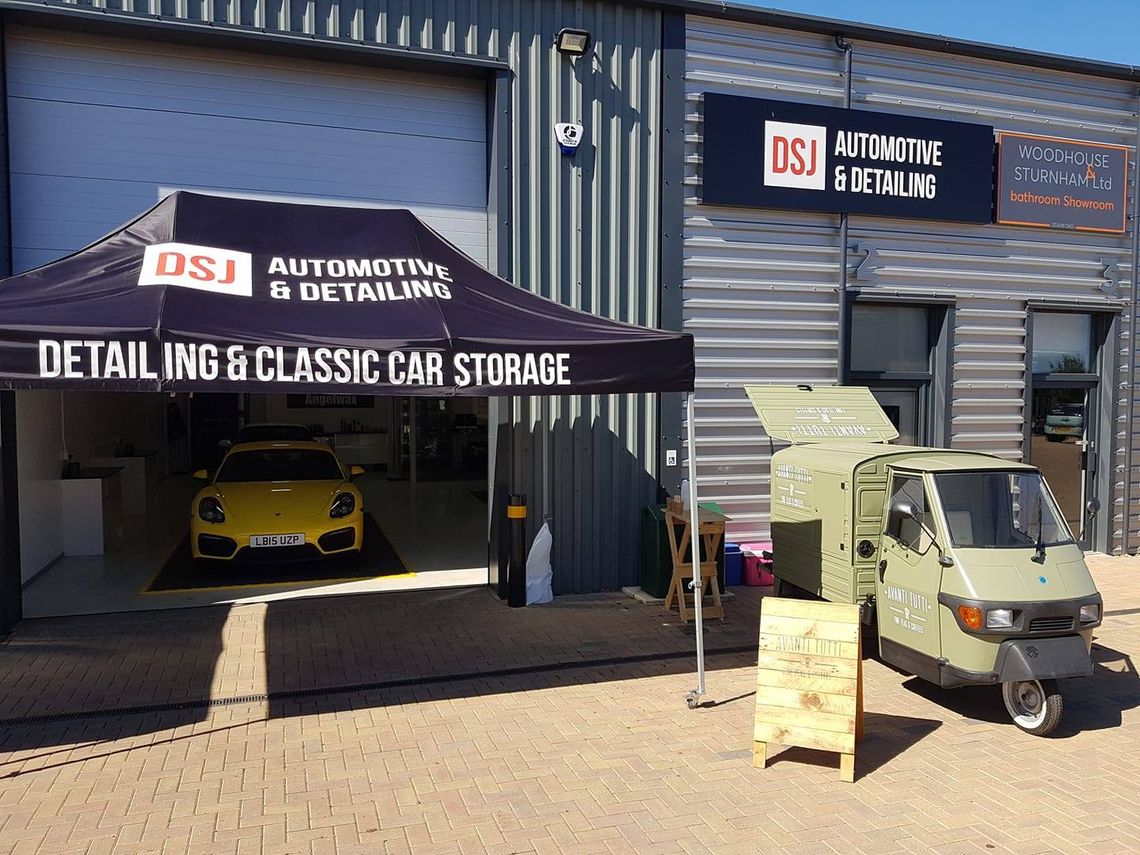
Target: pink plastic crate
757, 568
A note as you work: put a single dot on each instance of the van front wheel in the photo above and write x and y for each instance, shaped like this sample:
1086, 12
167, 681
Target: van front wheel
1035, 706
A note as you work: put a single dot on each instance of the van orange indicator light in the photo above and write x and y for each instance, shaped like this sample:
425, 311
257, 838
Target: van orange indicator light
971, 616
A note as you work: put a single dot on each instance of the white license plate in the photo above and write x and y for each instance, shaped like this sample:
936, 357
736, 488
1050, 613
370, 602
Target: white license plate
256, 540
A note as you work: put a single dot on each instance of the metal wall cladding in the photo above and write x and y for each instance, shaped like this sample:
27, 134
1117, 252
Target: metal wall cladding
584, 230
760, 291
586, 233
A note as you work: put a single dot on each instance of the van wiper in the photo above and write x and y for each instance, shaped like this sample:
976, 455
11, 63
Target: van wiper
1039, 555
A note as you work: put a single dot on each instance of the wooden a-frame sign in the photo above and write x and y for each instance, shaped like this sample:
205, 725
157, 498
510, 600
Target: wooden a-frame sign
809, 679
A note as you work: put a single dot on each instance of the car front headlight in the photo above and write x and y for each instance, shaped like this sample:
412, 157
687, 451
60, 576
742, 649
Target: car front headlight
210, 510
1090, 612
343, 505
999, 618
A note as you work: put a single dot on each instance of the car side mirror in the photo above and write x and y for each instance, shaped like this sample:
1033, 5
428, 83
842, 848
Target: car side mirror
225, 443
353, 471
202, 475
1093, 507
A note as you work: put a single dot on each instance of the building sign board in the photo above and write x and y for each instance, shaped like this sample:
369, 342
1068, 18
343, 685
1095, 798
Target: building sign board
760, 153
1056, 183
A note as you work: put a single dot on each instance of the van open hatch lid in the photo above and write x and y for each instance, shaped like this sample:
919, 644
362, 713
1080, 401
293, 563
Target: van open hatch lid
802, 414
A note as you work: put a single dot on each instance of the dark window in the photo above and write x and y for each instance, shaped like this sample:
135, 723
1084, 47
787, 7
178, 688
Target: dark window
273, 433
280, 464
908, 490
887, 338
893, 351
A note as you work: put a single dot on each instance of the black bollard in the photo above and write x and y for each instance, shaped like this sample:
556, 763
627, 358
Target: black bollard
516, 572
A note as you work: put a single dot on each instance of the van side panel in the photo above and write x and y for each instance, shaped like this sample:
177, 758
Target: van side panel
812, 513
870, 496
797, 535
834, 492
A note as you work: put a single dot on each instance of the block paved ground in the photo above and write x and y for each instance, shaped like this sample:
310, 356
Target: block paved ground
589, 757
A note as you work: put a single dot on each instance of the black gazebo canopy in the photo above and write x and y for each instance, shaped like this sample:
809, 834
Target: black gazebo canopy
211, 293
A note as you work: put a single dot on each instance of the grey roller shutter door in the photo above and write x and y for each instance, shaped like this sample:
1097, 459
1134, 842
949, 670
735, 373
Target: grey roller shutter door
102, 128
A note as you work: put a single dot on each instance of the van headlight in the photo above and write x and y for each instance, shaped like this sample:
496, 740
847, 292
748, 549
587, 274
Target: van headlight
1090, 612
343, 505
999, 619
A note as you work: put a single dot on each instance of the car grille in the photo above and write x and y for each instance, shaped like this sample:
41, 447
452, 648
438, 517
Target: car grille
1051, 624
216, 546
342, 538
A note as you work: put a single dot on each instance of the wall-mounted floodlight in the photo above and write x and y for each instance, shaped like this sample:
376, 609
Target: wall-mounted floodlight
572, 42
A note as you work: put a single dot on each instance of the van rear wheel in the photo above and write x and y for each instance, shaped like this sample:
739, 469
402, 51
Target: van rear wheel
1035, 706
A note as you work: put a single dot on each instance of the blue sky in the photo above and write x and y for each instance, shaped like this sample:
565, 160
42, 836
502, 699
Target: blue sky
1099, 29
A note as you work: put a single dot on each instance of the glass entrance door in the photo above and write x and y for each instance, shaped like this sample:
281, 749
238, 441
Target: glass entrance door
1061, 446
1068, 372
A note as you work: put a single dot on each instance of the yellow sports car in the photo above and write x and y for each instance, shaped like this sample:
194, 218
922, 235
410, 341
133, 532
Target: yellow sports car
277, 501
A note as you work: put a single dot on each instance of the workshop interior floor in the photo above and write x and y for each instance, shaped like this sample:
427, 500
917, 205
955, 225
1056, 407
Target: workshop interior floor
438, 528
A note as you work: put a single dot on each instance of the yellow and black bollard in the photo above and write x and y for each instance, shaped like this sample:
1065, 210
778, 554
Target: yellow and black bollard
516, 570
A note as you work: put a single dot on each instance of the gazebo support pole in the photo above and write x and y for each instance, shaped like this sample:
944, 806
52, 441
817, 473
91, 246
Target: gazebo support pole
544, 414
693, 698
413, 451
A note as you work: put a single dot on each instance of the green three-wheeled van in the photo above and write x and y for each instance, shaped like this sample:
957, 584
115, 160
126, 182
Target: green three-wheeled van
961, 560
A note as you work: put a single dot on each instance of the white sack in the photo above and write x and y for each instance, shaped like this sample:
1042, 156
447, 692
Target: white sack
538, 571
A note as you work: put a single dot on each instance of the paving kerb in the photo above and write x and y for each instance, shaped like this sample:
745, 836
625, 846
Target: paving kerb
575, 761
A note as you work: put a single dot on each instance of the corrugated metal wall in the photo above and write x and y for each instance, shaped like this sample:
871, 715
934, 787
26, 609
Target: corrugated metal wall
761, 286
585, 231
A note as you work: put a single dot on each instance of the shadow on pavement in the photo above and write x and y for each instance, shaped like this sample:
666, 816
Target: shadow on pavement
489, 683
884, 738
74, 743
56, 671
978, 703
465, 642
1098, 702
1092, 703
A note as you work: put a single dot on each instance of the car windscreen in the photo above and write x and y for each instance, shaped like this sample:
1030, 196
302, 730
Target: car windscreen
279, 464
273, 433
1000, 510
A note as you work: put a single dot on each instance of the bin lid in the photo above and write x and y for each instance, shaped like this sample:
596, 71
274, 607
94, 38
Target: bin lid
802, 414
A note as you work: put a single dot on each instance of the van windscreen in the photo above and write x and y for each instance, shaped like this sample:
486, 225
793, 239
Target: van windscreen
1000, 510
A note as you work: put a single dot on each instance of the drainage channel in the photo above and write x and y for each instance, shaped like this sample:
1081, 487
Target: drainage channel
327, 691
